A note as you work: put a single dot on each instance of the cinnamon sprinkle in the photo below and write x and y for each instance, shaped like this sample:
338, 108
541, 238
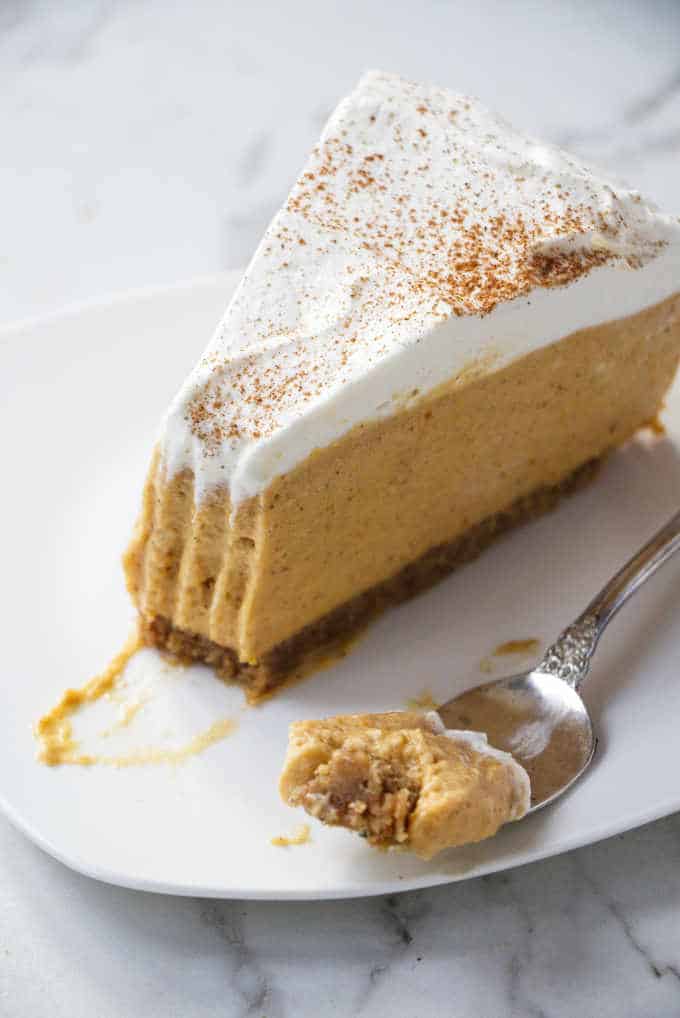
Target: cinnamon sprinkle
392, 236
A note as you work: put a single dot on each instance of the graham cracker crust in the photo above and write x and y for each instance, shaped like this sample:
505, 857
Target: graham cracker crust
348, 619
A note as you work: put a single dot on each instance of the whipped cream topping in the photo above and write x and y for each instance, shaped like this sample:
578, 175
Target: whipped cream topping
423, 238
479, 742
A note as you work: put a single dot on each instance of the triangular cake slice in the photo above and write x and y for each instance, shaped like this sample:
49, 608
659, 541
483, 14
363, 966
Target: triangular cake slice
445, 328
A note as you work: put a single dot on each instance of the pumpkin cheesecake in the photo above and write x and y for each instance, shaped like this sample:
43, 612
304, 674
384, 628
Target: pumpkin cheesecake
402, 780
444, 329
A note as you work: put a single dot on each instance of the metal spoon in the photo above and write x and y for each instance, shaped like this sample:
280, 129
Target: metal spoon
538, 716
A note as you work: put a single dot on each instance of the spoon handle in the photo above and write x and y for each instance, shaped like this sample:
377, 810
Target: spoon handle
569, 657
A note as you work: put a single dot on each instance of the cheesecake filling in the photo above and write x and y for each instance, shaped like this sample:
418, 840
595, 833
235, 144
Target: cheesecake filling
403, 780
479, 742
425, 241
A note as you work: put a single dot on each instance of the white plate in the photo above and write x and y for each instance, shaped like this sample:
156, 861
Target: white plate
82, 393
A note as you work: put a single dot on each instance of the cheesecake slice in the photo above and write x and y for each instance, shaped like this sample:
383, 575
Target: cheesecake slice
402, 780
445, 328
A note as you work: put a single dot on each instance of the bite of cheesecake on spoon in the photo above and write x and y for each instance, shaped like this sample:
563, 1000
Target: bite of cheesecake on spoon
402, 779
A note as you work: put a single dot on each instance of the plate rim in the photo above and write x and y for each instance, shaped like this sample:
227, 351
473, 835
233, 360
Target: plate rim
338, 893
127, 296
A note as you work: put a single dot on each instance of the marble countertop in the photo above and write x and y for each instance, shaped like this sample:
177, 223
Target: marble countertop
591, 933
145, 143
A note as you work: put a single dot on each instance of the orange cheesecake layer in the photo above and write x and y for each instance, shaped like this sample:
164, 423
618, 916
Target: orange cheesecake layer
392, 506
327, 638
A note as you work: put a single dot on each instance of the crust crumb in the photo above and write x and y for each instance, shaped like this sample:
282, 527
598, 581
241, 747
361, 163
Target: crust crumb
299, 837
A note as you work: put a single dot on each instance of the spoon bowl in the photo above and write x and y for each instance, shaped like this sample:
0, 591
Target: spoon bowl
538, 716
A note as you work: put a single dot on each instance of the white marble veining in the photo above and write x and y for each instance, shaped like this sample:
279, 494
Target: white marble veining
149, 142
592, 933
144, 143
